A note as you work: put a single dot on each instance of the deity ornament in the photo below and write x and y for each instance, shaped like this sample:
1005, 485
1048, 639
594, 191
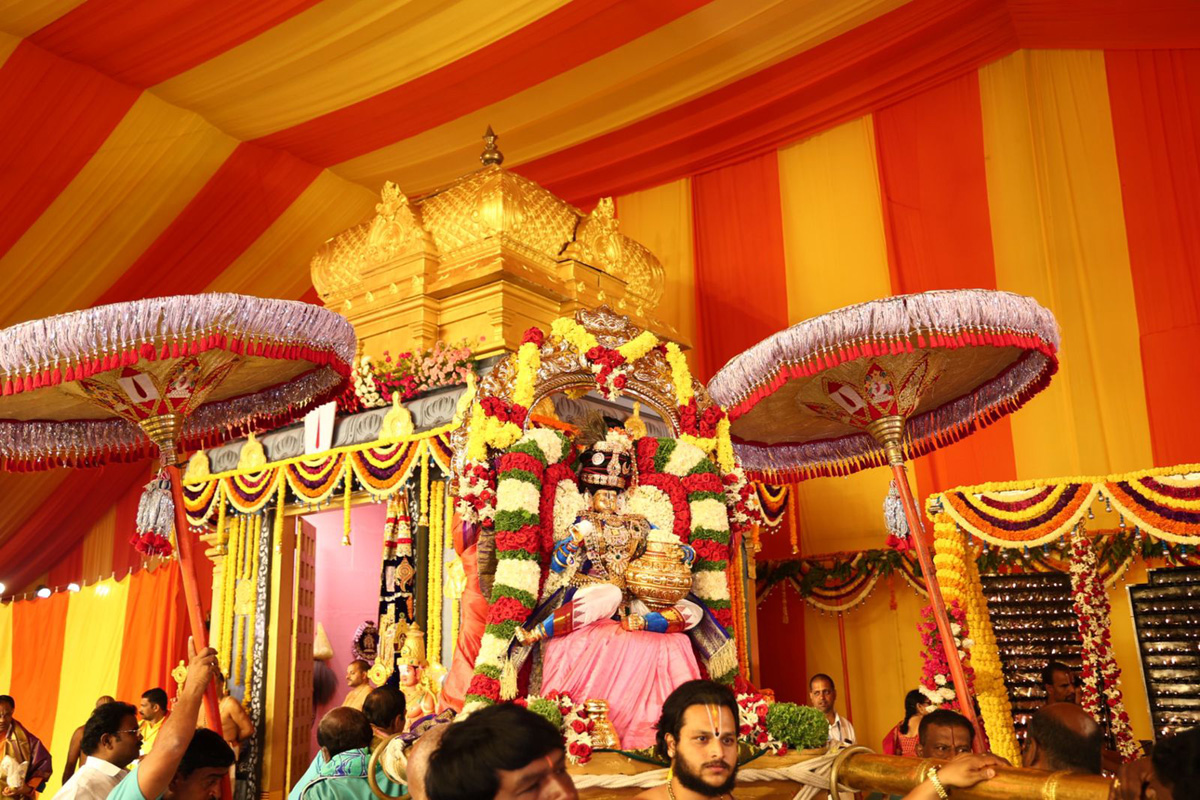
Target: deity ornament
604, 733
412, 669
594, 559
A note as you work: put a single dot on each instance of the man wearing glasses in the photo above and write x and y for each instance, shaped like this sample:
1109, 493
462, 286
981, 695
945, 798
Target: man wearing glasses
110, 742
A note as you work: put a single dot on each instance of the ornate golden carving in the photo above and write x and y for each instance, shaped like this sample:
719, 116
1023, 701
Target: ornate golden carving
481, 259
252, 455
599, 243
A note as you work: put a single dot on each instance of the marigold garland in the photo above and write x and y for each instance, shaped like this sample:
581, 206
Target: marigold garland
437, 549
958, 576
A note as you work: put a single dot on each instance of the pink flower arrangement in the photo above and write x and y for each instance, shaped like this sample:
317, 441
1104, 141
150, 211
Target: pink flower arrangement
936, 683
405, 375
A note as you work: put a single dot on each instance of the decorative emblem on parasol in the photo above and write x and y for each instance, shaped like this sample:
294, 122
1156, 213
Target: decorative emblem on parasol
881, 382
117, 382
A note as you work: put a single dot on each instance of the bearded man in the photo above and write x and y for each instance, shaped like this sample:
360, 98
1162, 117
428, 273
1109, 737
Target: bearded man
698, 734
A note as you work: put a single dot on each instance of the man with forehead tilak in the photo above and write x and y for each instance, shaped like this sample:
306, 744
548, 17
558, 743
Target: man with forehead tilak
697, 733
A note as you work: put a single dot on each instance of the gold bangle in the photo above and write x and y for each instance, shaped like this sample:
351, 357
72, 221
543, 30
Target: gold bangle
937, 784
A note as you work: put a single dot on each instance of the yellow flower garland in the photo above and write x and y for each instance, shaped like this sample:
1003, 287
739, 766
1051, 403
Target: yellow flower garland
638, 346
570, 330
348, 486
529, 360
437, 547
681, 376
958, 577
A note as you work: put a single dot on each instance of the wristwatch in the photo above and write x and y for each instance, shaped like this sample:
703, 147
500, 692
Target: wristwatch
937, 784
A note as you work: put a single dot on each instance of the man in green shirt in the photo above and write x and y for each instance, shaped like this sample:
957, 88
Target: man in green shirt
185, 764
345, 738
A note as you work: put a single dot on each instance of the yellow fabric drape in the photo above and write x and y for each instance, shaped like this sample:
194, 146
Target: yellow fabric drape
6, 640
277, 263
148, 169
836, 255
23, 17
98, 547
92, 642
335, 54
1058, 230
7, 45
715, 44
661, 219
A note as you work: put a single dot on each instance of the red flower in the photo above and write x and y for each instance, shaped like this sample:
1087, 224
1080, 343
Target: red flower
579, 726
619, 382
710, 550
484, 686
526, 539
534, 336
505, 609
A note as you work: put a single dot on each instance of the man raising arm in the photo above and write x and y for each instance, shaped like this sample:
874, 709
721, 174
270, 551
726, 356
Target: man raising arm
185, 764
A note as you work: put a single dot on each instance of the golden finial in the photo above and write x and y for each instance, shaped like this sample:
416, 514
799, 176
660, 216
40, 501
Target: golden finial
491, 154
635, 424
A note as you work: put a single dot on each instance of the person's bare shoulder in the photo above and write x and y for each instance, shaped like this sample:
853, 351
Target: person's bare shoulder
657, 793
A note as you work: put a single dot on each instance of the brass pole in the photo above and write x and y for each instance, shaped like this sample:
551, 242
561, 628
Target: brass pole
889, 432
897, 776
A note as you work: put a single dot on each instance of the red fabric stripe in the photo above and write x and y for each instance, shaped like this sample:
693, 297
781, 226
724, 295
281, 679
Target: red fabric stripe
57, 114
142, 43
250, 190
741, 291
935, 209
37, 650
919, 45
78, 502
1106, 23
563, 39
1155, 99
69, 569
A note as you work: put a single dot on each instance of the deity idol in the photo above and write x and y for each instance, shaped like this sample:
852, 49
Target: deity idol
593, 560
412, 668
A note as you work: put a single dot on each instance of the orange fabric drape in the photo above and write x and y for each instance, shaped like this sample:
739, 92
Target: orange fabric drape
37, 651
1155, 100
66, 112
741, 293
154, 632
935, 211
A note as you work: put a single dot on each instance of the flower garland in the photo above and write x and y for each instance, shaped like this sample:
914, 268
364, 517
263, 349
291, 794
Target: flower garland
936, 683
752, 724
374, 383
519, 553
958, 577
1160, 501
1099, 673
437, 551
573, 723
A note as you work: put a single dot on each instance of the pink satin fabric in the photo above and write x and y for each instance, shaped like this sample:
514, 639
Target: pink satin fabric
633, 670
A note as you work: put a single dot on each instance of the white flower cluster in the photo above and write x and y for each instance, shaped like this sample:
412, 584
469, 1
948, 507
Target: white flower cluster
364, 384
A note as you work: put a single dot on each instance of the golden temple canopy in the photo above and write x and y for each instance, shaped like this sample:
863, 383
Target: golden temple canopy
482, 260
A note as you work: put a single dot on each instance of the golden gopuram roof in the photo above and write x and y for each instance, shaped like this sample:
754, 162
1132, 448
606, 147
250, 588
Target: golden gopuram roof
482, 260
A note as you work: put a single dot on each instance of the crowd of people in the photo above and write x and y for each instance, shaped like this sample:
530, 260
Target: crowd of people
507, 751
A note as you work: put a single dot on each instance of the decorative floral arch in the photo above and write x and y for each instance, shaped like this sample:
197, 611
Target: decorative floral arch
690, 485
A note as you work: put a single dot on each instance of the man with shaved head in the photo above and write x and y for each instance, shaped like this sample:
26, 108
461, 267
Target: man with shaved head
1062, 736
418, 760
345, 738
75, 755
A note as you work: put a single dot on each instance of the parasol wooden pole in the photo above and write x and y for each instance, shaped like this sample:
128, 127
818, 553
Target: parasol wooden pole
889, 432
845, 666
191, 592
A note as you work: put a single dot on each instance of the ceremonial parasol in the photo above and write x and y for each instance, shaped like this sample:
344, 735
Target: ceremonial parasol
881, 382
117, 382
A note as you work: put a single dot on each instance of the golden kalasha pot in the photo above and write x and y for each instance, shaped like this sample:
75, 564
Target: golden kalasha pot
604, 733
660, 577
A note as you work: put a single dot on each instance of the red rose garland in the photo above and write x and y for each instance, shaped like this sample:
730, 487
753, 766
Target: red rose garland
1099, 673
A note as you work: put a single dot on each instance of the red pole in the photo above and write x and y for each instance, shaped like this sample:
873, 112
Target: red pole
916, 531
845, 666
191, 591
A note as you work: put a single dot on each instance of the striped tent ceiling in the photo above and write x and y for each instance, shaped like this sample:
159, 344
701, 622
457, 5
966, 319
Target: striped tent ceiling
179, 146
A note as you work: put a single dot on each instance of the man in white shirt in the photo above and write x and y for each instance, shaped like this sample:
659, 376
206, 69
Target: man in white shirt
110, 742
823, 695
